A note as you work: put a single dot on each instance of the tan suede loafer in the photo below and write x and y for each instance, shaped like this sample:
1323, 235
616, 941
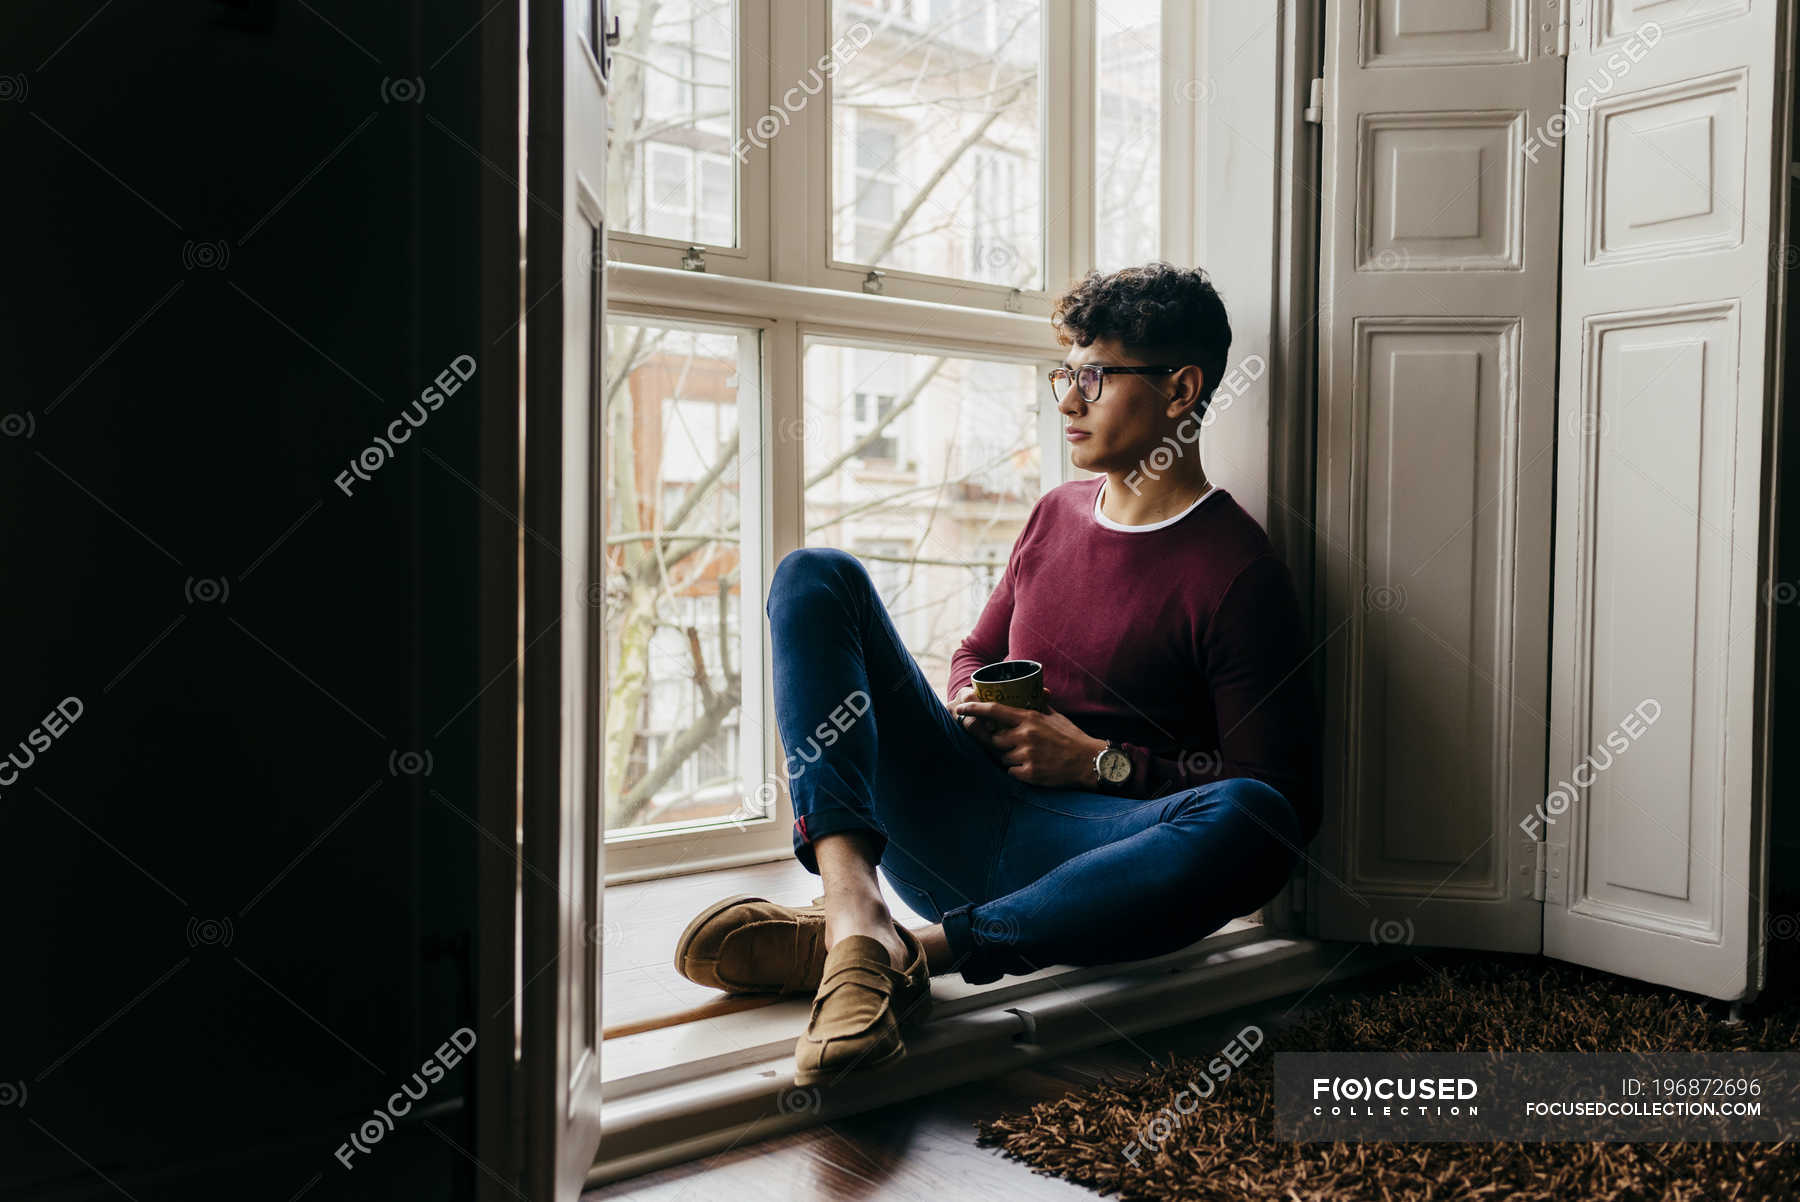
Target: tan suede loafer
861, 1008
749, 944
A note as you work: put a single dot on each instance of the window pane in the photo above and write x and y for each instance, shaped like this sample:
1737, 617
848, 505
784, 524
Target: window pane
925, 467
1128, 132
937, 138
673, 588
674, 102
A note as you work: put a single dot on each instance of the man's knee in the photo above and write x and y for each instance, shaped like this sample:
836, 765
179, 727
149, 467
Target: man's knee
1247, 790
1245, 841
806, 569
1244, 799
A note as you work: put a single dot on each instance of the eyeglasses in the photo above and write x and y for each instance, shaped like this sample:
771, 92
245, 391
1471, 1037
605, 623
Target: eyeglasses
1090, 377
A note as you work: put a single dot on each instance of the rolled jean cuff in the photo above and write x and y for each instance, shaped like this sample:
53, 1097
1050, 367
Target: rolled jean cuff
808, 828
970, 952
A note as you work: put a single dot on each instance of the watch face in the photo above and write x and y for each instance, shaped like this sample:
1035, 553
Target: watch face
1114, 765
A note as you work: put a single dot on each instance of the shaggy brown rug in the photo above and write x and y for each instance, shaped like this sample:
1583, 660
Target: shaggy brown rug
1225, 1148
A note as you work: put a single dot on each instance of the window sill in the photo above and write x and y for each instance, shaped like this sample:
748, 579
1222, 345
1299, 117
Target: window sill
681, 1092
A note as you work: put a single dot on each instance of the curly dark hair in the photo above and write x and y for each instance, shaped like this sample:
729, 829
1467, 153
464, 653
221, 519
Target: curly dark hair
1157, 310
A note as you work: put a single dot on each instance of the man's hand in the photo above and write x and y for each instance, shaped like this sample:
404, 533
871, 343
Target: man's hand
1038, 748
975, 726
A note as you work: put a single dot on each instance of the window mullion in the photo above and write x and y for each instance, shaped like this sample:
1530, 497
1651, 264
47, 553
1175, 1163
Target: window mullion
784, 504
1068, 96
758, 750
1069, 190
783, 444
797, 108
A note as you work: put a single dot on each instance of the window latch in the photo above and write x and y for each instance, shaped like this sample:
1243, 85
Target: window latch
872, 281
694, 259
1027, 1034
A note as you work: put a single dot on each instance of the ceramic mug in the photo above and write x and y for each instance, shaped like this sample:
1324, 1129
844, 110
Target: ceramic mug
1015, 682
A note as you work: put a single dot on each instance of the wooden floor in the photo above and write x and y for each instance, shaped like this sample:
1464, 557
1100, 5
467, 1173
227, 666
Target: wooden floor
924, 1150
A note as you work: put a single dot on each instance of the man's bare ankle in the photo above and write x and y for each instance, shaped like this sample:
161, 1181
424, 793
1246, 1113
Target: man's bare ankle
853, 901
877, 924
856, 919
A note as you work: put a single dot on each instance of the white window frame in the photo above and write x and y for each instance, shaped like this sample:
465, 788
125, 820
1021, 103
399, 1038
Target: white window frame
786, 238
657, 849
787, 320
783, 285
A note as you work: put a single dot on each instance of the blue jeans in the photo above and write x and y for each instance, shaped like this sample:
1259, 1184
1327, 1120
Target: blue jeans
1021, 876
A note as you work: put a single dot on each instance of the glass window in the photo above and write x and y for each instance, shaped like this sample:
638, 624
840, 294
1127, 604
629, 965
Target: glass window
674, 592
670, 168
1127, 132
939, 140
930, 521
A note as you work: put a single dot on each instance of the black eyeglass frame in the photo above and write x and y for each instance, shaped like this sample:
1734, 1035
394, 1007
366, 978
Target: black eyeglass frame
1099, 372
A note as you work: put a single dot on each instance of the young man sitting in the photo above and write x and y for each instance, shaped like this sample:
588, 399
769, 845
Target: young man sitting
1166, 788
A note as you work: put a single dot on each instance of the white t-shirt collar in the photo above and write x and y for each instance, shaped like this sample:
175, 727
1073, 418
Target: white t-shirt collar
1109, 524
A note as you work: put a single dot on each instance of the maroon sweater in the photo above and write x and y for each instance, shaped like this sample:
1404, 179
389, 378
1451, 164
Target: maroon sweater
1184, 643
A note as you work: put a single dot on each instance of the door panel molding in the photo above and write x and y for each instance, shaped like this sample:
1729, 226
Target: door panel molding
1437, 345
1439, 632
1659, 692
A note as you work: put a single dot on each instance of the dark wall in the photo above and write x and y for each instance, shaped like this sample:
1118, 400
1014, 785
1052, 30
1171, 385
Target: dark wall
1782, 597
241, 240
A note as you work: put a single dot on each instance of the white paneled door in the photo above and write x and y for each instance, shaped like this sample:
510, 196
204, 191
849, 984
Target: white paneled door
538, 1075
564, 717
1437, 410
1656, 798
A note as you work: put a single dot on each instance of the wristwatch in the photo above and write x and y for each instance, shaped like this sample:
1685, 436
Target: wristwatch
1111, 764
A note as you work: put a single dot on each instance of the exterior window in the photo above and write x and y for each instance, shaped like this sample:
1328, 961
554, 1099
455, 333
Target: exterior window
876, 430
984, 576
999, 206
958, 98
877, 182
887, 561
899, 10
